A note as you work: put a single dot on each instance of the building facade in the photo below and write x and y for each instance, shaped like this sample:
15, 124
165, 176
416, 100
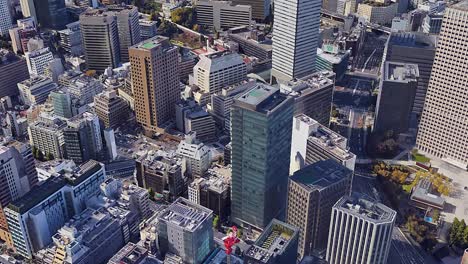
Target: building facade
313, 191
446, 97
396, 96
223, 14
261, 142
356, 219
185, 229
295, 40
416, 48
100, 39
313, 142
155, 80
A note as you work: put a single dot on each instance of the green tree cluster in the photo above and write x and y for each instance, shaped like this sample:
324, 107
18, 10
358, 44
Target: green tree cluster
458, 235
167, 29
397, 174
185, 16
421, 232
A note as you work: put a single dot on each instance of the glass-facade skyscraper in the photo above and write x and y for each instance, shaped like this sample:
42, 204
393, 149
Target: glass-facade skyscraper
261, 124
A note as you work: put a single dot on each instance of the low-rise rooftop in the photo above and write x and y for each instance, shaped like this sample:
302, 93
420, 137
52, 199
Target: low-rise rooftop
185, 214
322, 174
400, 72
273, 241
365, 209
260, 98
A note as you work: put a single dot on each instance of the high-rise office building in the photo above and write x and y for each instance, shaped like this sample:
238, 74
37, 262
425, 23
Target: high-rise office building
295, 38
356, 219
16, 181
416, 48
217, 70
148, 29
62, 103
261, 122
396, 96
13, 69
47, 136
443, 126
261, 9
38, 60
155, 81
5, 17
276, 244
128, 26
82, 138
312, 142
195, 154
34, 218
36, 90
47, 13
70, 39
313, 191
223, 14
185, 229
100, 38
313, 95
221, 102
111, 109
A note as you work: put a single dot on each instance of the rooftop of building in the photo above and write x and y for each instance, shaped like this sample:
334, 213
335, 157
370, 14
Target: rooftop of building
82, 225
37, 195
368, 210
273, 241
327, 138
37, 80
154, 42
219, 60
308, 84
321, 175
334, 58
425, 193
7, 57
38, 52
261, 98
413, 39
401, 72
185, 214
462, 5
129, 254
212, 181
80, 173
144, 22
254, 36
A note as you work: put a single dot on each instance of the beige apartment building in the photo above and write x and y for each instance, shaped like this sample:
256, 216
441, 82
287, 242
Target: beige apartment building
155, 80
444, 122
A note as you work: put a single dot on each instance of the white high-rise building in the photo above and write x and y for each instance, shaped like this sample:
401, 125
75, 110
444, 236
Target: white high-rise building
5, 17
38, 61
196, 155
360, 232
217, 70
444, 121
295, 38
312, 142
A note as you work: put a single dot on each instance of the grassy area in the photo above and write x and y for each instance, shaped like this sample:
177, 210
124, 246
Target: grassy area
420, 157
